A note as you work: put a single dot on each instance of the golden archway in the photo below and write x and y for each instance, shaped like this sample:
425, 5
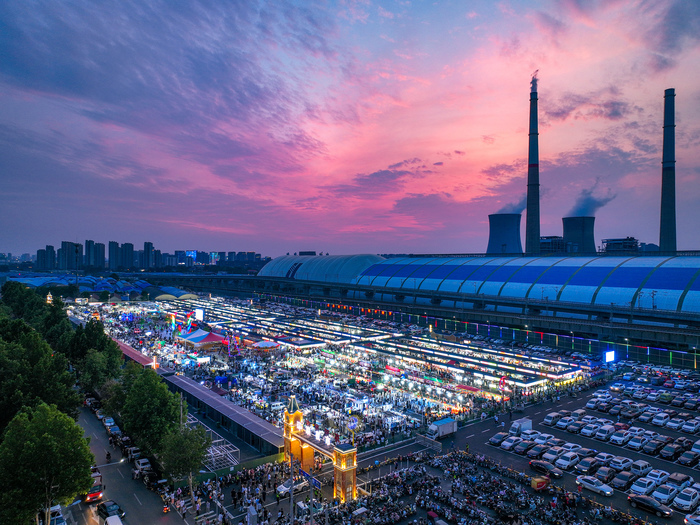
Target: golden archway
300, 443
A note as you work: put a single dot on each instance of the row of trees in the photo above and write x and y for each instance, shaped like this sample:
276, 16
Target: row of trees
41, 355
44, 457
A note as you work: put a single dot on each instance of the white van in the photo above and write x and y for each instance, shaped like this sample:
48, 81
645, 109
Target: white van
640, 468
113, 520
551, 419
277, 406
605, 432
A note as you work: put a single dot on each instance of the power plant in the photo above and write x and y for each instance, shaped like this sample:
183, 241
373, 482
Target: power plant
504, 234
578, 234
504, 228
667, 230
532, 221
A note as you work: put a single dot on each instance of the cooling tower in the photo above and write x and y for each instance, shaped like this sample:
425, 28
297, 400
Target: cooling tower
578, 234
667, 226
504, 233
532, 220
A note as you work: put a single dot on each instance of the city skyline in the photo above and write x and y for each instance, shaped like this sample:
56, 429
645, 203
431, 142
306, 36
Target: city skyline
341, 127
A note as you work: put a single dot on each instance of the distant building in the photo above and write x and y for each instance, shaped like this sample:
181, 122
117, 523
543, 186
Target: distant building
148, 261
115, 256
621, 245
127, 255
552, 244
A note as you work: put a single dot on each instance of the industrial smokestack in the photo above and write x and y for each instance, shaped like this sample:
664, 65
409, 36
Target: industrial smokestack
504, 233
667, 227
532, 222
578, 234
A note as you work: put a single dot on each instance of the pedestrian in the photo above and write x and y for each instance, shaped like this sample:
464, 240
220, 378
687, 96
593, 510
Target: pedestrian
495, 418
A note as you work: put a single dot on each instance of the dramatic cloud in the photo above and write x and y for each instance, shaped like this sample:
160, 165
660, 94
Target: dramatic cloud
342, 125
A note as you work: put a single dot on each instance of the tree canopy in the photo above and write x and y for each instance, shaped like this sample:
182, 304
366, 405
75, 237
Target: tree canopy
150, 410
183, 450
44, 460
32, 373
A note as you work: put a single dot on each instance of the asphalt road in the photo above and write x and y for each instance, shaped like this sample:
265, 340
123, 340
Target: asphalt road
140, 504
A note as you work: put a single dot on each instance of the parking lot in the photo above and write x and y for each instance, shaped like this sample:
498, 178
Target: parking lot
635, 449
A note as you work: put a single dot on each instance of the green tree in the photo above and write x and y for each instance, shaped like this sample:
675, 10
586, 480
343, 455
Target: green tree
182, 451
114, 391
31, 373
104, 296
150, 410
93, 373
44, 459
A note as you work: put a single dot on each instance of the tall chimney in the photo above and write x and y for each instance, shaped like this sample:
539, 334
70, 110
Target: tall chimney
532, 222
578, 234
667, 227
504, 233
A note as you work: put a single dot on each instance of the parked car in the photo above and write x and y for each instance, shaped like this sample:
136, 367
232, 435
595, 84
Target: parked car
671, 452
620, 463
689, 458
675, 424
498, 438
605, 474
687, 500
575, 427
594, 485
543, 438
567, 461
590, 430
658, 476
522, 447
691, 426
665, 493
604, 458
588, 466
654, 447
621, 437
537, 451
649, 504
545, 467
637, 442
642, 486
623, 480
553, 454
509, 443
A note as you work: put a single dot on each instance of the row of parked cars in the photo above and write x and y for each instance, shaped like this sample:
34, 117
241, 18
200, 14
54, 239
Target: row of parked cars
650, 489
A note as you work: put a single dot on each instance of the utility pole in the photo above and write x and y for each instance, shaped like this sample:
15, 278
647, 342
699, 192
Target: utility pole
291, 488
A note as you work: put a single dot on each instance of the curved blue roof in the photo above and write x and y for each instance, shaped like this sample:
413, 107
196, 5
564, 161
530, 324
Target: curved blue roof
325, 268
668, 283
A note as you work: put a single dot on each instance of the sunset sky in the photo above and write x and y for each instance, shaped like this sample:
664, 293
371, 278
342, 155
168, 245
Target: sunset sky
338, 126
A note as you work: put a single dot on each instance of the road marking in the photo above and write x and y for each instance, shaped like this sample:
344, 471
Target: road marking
487, 430
120, 473
470, 436
137, 499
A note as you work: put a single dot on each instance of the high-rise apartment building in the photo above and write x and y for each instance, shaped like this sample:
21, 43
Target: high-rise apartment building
147, 255
127, 255
115, 256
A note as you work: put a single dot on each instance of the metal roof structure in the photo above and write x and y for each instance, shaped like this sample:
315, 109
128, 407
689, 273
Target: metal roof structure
667, 283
